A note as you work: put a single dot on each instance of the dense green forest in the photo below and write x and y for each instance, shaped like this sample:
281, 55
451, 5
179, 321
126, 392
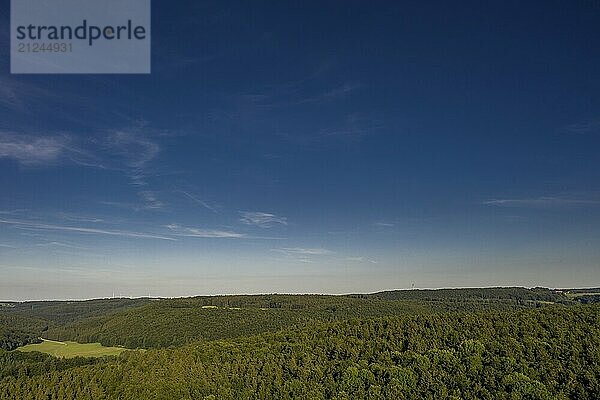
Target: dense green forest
149, 323
544, 353
176, 322
60, 312
23, 323
495, 343
172, 322
498, 293
18, 330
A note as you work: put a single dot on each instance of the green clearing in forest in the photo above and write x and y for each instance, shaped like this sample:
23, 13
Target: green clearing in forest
72, 349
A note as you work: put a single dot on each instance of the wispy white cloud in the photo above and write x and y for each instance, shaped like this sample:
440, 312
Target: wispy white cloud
361, 259
335, 93
132, 150
303, 251
343, 233
341, 91
78, 218
127, 151
585, 127
7, 246
542, 202
8, 95
124, 205
338, 92
292, 93
40, 150
310, 255
179, 230
16, 94
261, 219
32, 150
83, 230
61, 245
198, 200
384, 224
354, 126
150, 200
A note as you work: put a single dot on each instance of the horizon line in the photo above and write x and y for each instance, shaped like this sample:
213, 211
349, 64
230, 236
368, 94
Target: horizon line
301, 293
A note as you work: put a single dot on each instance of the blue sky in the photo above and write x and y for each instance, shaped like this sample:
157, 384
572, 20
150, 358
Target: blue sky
314, 147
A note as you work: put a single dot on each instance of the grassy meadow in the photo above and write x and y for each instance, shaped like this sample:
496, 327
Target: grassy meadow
72, 349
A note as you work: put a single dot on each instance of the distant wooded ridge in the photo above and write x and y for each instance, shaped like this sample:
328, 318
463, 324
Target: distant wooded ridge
416, 293
154, 323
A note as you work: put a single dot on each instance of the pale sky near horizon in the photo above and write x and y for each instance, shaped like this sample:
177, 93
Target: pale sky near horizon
311, 148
